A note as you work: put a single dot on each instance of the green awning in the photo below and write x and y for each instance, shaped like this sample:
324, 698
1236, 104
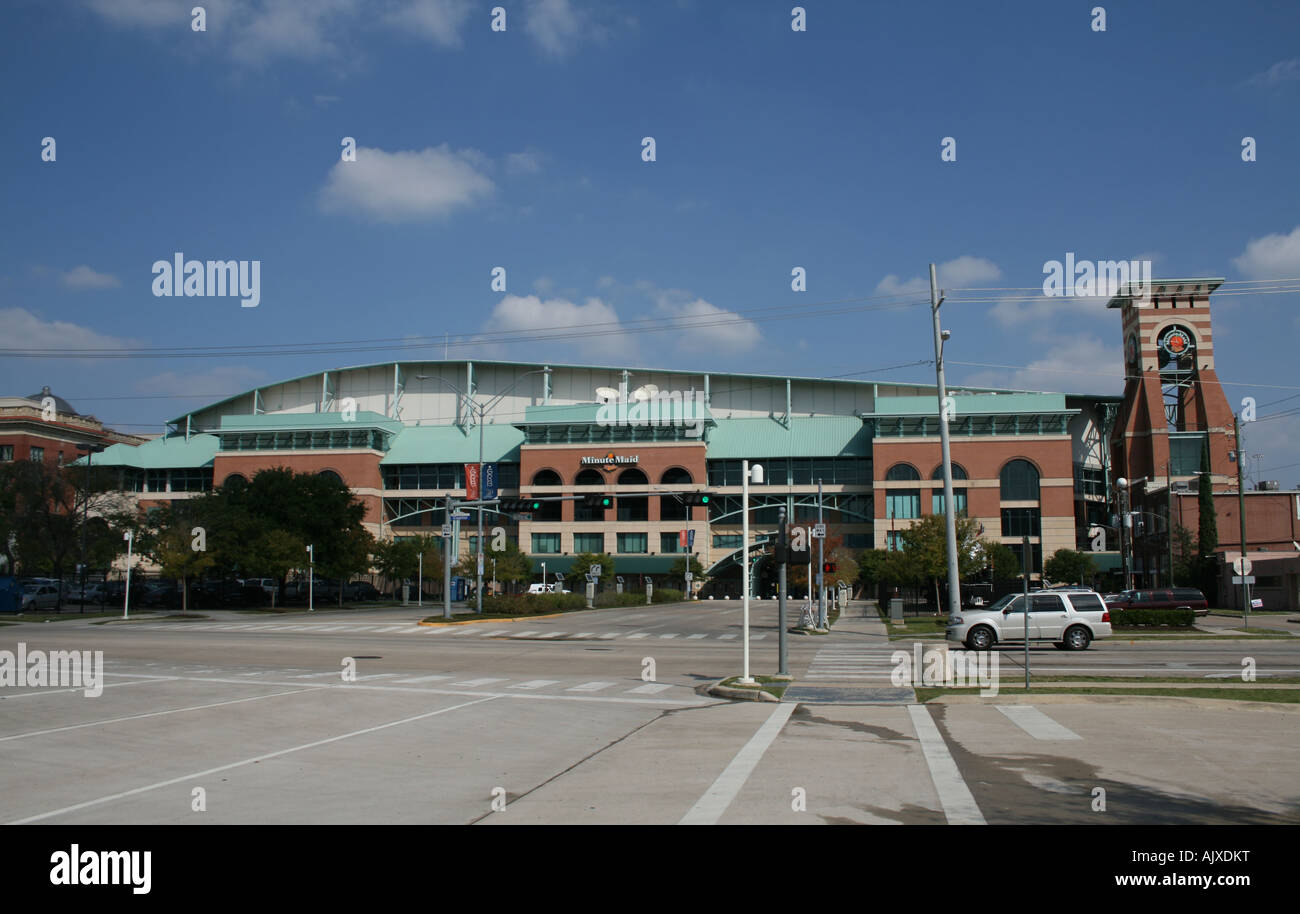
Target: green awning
623, 564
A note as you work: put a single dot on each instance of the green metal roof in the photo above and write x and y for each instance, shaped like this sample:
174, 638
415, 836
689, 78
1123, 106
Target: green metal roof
973, 404
612, 413
172, 452
810, 436
303, 421
451, 444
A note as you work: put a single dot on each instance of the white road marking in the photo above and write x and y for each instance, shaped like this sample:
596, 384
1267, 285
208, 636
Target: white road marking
118, 720
108, 685
495, 631
524, 635
651, 688
959, 807
553, 634
607, 636
590, 687
710, 807
248, 761
584, 634
377, 676
536, 684
638, 635
1036, 723
695, 637
473, 683
669, 635
726, 637
423, 679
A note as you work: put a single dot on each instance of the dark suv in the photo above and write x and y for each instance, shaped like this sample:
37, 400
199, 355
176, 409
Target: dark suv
1169, 598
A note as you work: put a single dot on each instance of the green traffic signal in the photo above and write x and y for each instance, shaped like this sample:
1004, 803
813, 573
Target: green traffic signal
704, 499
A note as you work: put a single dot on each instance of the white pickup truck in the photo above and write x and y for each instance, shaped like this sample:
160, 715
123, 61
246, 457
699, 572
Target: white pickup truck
546, 588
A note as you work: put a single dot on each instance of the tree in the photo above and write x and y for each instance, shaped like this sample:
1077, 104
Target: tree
582, 562
1066, 566
275, 554
1185, 559
677, 571
168, 540
927, 542
512, 566
1207, 522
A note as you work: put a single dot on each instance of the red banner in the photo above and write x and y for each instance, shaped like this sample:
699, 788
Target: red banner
471, 482
681, 538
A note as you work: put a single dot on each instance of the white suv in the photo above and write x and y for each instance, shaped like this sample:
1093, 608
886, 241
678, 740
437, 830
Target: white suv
1068, 619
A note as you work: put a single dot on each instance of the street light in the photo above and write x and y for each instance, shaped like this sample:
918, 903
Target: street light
950, 509
480, 410
757, 474
1124, 485
311, 578
126, 597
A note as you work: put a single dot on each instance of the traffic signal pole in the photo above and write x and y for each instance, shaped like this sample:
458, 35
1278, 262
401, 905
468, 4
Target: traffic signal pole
822, 621
782, 542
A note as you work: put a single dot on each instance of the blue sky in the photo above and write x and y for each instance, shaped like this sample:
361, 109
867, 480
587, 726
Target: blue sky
522, 149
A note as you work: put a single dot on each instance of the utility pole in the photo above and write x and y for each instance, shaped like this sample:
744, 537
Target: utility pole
1169, 520
446, 561
822, 621
782, 542
1241, 511
950, 509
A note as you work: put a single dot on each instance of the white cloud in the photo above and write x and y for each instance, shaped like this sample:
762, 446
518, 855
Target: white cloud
1271, 257
302, 29
440, 20
218, 381
554, 24
543, 285
1281, 72
523, 163
406, 186
956, 273
20, 329
1069, 362
524, 313
726, 331
84, 278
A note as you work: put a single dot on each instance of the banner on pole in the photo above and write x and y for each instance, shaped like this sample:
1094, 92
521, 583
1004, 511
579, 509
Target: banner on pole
489, 481
471, 482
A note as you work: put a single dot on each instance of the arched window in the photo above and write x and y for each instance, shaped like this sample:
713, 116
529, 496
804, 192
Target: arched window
901, 472
670, 506
330, 474
581, 512
235, 480
632, 477
958, 495
546, 478
1019, 481
902, 503
589, 477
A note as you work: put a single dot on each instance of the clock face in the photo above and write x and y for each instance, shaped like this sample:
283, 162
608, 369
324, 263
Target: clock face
1176, 342
1131, 349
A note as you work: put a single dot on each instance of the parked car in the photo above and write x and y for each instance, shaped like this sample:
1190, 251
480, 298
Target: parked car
113, 593
1068, 619
162, 594
1169, 598
361, 590
37, 597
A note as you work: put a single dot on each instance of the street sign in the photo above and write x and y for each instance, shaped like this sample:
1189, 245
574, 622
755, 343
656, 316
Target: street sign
689, 576
446, 529
1256, 603
1242, 565
1243, 579
596, 570
819, 532
460, 517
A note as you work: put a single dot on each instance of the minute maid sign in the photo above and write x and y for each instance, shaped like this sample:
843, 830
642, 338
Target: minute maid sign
610, 461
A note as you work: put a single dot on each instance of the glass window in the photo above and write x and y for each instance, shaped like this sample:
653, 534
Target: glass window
631, 542
1046, 603
589, 477
155, 480
1021, 522
958, 472
726, 541
1019, 481
903, 503
901, 471
632, 477
6, 452
546, 543
894, 540
588, 542
801, 471
936, 501
671, 507
37, 454
633, 507
670, 542
546, 478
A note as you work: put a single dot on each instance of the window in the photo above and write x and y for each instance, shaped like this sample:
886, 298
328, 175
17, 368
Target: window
633, 507
546, 478
546, 543
1021, 522
670, 542
632, 477
936, 501
155, 480
1046, 603
588, 542
330, 474
6, 453
37, 454
589, 477
1019, 481
197, 479
894, 541
631, 542
1035, 557
726, 541
901, 472
903, 503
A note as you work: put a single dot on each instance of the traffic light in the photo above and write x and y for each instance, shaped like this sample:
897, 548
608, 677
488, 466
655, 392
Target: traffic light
696, 498
597, 501
518, 505
828, 567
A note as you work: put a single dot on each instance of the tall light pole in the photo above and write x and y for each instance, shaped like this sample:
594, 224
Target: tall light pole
311, 578
1125, 521
783, 555
1241, 514
822, 620
419, 596
950, 509
746, 679
479, 410
126, 597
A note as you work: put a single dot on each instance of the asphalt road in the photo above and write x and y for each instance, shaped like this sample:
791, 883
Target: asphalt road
562, 720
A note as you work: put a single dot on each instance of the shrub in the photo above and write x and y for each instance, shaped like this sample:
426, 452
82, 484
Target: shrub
1174, 618
668, 595
613, 598
523, 604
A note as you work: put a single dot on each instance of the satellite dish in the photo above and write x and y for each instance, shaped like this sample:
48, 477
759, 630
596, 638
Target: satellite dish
606, 394
645, 392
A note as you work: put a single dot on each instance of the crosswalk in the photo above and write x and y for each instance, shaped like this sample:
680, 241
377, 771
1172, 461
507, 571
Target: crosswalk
436, 681
851, 663
458, 632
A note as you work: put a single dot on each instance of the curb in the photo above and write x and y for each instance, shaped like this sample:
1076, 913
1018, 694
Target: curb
718, 690
484, 621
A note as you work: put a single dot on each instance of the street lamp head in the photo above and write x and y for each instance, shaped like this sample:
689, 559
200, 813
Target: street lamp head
1122, 482
945, 334
756, 474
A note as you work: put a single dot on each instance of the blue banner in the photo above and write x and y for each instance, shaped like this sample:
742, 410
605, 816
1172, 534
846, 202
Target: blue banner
489, 481
690, 540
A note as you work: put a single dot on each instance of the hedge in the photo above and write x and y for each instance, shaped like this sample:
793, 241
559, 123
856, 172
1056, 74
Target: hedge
524, 604
667, 595
614, 598
1174, 618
